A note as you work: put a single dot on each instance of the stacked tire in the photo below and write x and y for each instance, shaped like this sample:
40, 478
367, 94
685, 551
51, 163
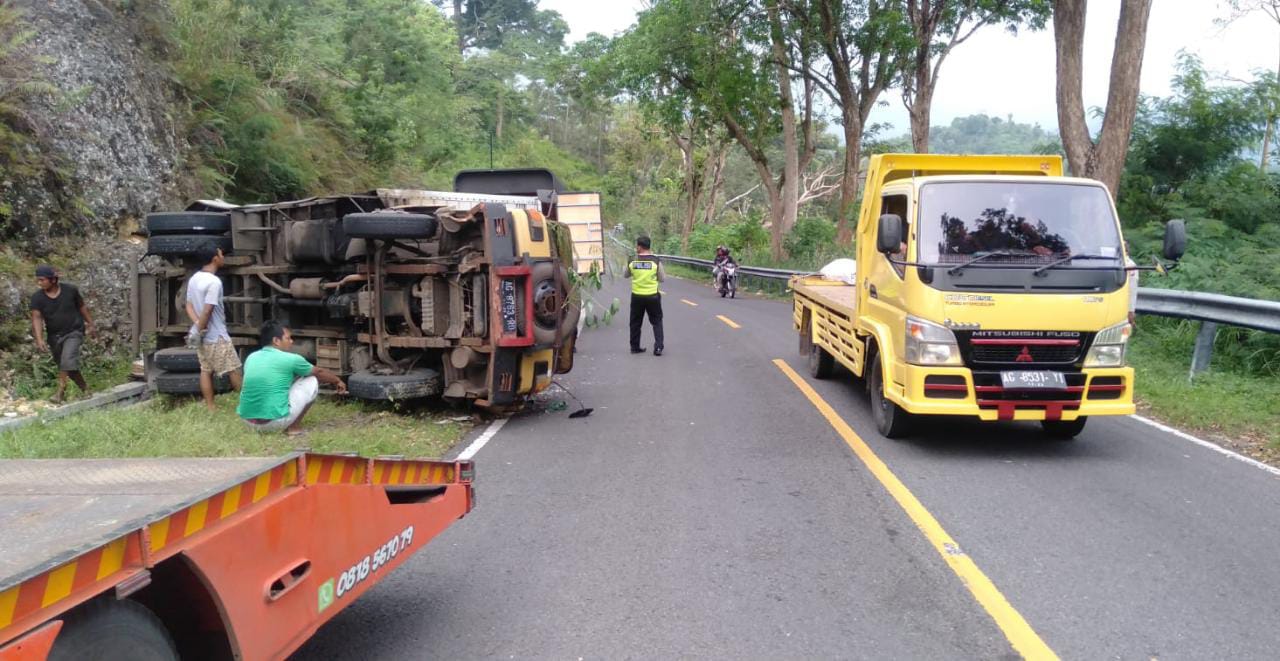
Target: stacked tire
180, 373
180, 233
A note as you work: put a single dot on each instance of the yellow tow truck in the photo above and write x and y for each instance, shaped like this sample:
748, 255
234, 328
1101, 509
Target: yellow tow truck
985, 286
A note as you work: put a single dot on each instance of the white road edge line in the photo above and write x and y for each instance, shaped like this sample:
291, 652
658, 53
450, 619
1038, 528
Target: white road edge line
488, 435
1208, 444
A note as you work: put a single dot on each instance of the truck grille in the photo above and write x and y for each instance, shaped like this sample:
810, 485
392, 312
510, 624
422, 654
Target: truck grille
1023, 349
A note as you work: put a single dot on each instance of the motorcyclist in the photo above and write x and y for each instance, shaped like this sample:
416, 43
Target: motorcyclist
723, 258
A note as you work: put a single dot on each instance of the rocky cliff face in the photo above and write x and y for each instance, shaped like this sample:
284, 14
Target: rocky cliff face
111, 134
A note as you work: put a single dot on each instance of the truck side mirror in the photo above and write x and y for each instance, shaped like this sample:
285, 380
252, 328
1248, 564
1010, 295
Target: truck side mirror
1175, 239
889, 233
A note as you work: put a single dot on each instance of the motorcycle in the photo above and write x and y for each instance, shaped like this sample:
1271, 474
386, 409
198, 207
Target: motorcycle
727, 280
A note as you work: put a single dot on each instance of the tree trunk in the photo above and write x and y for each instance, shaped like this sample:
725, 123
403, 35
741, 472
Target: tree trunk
691, 186
774, 190
920, 114
790, 189
1266, 144
497, 132
1266, 136
457, 25
1104, 159
849, 181
716, 163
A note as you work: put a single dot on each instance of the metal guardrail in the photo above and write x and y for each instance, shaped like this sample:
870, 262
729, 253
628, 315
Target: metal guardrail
754, 271
1216, 308
1211, 310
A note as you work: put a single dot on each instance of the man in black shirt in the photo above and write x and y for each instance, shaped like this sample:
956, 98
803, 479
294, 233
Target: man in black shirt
59, 309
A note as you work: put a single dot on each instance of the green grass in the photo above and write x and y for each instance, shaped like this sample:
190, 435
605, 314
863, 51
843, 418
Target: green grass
182, 427
32, 374
1225, 401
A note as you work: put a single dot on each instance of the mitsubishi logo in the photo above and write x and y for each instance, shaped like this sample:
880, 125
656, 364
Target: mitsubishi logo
1025, 356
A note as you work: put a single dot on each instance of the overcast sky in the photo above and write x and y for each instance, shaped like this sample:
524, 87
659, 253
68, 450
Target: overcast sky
1000, 74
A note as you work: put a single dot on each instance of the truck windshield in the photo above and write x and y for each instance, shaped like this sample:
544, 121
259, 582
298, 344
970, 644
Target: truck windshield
1015, 222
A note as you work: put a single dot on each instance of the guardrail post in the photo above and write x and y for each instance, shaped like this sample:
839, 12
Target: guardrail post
1203, 352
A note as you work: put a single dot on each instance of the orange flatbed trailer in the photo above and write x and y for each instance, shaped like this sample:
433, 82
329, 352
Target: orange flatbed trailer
205, 558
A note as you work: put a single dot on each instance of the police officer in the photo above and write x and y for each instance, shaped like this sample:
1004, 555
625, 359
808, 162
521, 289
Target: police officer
645, 272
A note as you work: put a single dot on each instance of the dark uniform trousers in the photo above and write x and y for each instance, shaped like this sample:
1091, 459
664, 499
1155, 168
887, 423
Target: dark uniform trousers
640, 306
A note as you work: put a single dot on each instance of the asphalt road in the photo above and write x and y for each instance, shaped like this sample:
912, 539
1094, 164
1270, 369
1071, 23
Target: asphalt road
707, 509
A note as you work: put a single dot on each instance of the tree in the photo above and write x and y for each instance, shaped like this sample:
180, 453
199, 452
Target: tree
703, 150
1271, 8
864, 45
489, 24
1102, 159
689, 57
938, 26
1199, 130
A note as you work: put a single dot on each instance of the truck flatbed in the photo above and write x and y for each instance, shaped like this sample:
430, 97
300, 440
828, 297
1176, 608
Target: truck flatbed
213, 558
52, 510
837, 295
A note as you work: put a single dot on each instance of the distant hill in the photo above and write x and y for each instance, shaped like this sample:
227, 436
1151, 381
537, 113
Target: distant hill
984, 134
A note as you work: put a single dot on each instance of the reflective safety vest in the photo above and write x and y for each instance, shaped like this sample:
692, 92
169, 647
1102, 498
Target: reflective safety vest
644, 276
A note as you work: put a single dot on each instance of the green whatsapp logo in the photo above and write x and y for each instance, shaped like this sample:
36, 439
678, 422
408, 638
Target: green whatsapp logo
326, 595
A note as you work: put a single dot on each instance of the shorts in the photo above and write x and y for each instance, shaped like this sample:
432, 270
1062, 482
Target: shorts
218, 357
66, 351
301, 394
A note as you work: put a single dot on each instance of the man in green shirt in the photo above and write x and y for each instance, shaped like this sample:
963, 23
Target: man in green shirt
280, 386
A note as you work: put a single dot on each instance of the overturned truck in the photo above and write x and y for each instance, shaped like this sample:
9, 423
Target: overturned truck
466, 295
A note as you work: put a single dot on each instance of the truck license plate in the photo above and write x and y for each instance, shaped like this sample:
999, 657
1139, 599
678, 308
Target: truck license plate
1033, 380
507, 296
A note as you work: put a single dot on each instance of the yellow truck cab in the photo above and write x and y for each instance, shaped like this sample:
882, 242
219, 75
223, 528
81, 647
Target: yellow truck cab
986, 286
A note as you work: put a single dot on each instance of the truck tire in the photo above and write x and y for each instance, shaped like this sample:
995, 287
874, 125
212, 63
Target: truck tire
113, 630
178, 359
414, 384
891, 420
546, 322
188, 222
821, 363
181, 245
1063, 430
188, 383
389, 225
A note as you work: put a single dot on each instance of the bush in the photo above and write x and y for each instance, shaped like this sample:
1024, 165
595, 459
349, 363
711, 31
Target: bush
809, 236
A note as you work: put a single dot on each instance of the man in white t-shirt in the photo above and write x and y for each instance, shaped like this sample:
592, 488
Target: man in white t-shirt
208, 335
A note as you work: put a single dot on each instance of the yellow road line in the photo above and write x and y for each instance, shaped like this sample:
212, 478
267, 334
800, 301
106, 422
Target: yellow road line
732, 323
1024, 639
688, 302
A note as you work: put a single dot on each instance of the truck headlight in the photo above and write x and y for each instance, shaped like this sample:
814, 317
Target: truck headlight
930, 344
1108, 346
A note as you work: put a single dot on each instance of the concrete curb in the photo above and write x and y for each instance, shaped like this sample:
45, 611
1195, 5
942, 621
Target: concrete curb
122, 394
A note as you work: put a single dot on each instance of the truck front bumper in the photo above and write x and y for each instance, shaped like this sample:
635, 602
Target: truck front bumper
962, 391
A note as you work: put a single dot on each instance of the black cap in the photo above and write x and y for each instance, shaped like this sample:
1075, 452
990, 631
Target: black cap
45, 271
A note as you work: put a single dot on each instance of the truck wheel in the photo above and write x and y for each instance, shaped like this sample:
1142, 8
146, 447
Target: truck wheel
389, 225
110, 630
188, 383
1063, 429
891, 420
548, 304
178, 359
179, 245
821, 363
188, 222
414, 384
